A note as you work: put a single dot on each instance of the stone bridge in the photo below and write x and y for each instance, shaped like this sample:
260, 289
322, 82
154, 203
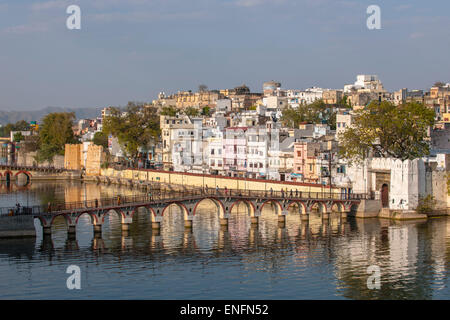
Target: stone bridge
188, 201
12, 173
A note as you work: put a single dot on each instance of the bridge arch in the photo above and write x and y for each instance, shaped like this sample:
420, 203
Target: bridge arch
180, 206
8, 175
66, 217
337, 207
26, 173
106, 213
301, 206
43, 221
321, 206
92, 217
216, 201
150, 212
276, 203
250, 207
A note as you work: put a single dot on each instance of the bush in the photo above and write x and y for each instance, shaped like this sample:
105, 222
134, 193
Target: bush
426, 204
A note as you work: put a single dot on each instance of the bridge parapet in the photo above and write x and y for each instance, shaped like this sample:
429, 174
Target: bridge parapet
187, 200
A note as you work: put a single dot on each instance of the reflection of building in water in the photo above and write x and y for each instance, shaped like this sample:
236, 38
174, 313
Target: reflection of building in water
92, 191
440, 241
403, 249
400, 251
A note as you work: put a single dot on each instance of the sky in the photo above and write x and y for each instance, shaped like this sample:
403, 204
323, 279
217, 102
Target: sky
130, 50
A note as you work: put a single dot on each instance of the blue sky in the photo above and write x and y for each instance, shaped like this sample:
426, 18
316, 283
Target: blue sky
132, 49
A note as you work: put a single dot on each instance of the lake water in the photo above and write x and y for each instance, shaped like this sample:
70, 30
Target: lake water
313, 260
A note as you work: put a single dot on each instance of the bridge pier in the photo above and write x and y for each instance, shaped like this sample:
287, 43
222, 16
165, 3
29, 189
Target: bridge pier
254, 221
224, 221
97, 229
304, 217
47, 231
188, 223
156, 225
72, 230
325, 216
282, 219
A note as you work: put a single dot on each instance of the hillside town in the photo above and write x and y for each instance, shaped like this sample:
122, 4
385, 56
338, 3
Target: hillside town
243, 134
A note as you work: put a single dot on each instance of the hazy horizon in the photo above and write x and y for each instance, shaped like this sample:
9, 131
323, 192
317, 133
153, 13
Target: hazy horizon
130, 50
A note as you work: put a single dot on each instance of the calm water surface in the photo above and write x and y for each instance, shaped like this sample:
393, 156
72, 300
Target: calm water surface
312, 260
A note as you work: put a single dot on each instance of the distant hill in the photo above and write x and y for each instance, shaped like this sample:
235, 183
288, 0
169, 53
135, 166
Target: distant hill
36, 115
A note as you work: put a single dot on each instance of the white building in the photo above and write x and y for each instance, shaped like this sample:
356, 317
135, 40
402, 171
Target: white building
215, 152
298, 97
364, 81
257, 151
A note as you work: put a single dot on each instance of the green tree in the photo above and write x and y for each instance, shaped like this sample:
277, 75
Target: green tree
191, 112
385, 130
137, 127
316, 112
54, 133
18, 136
206, 111
21, 125
169, 111
100, 139
426, 204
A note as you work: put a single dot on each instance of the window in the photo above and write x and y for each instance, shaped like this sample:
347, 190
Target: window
299, 154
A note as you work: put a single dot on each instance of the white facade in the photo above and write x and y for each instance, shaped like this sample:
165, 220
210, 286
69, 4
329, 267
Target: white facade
215, 152
257, 151
307, 96
364, 81
409, 181
275, 102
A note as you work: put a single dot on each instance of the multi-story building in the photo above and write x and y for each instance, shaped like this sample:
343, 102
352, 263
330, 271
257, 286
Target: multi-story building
189, 147
235, 151
332, 96
258, 140
305, 167
296, 98
343, 121
215, 153
363, 81
169, 125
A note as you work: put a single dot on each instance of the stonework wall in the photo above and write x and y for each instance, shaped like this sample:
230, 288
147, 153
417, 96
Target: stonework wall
27, 159
198, 180
95, 157
72, 157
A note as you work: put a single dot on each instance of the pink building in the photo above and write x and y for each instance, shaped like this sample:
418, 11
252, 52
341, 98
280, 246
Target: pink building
305, 160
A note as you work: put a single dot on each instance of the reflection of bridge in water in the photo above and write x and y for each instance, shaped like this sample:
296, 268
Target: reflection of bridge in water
187, 202
225, 239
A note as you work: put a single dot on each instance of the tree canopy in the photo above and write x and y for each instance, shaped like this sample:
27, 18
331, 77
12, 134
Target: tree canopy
101, 139
316, 112
169, 111
137, 126
21, 125
191, 112
385, 130
54, 133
